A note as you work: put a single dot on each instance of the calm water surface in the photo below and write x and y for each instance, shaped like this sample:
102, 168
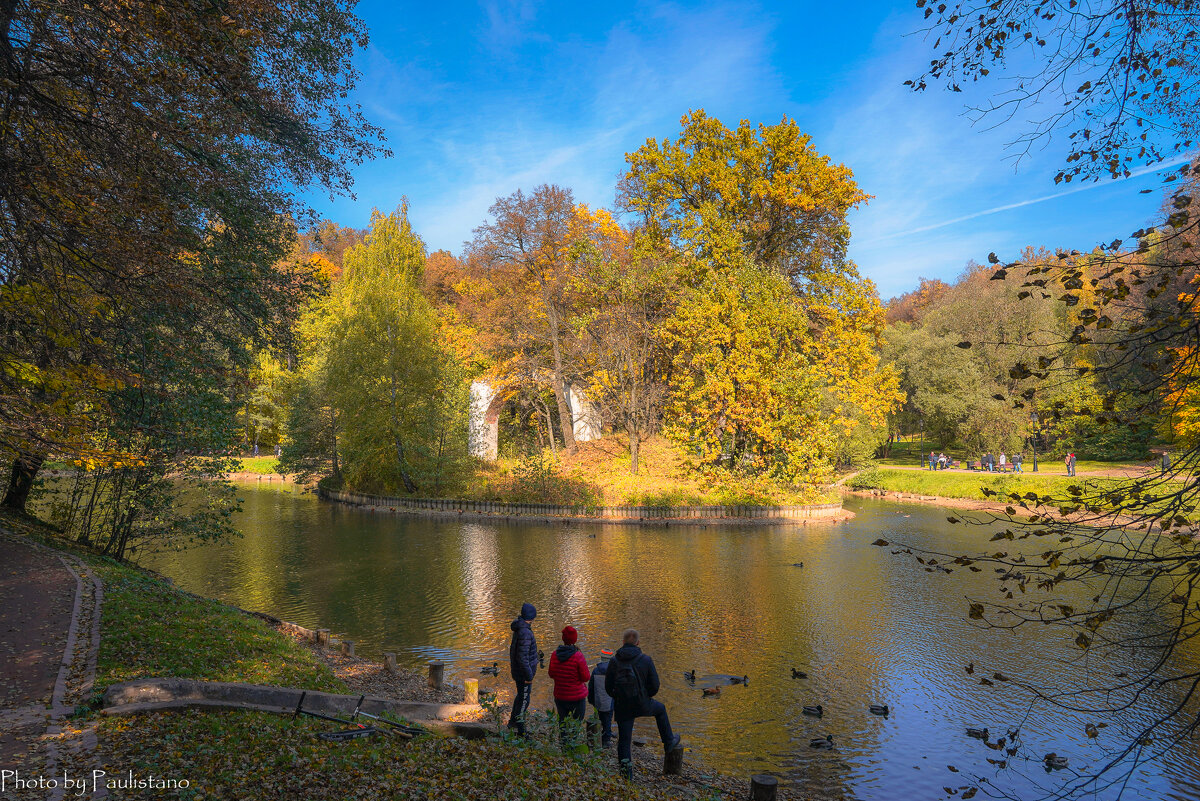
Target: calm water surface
866, 625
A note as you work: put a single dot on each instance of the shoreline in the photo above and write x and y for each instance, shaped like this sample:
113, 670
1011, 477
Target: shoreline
457, 509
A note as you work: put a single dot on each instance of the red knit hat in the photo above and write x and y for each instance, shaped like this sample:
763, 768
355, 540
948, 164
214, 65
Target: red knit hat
570, 635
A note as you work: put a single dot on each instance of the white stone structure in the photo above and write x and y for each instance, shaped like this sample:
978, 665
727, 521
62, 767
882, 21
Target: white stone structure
585, 420
483, 435
483, 419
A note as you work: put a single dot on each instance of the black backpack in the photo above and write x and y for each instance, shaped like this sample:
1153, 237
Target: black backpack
627, 683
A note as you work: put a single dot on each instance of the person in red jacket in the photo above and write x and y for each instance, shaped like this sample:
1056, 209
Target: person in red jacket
569, 669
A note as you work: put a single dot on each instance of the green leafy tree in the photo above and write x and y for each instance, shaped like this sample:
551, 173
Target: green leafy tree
399, 392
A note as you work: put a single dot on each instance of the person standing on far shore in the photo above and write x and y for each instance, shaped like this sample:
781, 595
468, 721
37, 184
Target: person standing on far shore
523, 661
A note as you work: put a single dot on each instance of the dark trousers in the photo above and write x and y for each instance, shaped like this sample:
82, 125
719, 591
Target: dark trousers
625, 731
568, 711
605, 726
520, 707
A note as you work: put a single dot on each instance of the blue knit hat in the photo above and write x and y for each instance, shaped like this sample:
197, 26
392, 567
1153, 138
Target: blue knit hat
528, 612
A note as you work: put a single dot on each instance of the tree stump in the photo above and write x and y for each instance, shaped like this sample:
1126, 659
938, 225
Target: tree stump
763, 787
593, 733
322, 637
389, 662
673, 761
471, 691
348, 647
437, 671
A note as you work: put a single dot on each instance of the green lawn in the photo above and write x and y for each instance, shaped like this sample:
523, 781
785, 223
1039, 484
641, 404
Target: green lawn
259, 464
908, 454
963, 484
152, 629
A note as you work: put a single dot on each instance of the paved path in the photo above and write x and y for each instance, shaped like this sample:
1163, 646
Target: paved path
50, 605
1043, 470
37, 597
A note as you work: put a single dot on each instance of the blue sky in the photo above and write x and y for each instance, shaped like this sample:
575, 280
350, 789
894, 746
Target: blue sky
479, 99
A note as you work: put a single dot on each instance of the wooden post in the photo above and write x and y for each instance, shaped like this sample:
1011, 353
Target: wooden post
437, 671
389, 662
471, 694
763, 787
348, 647
322, 637
673, 761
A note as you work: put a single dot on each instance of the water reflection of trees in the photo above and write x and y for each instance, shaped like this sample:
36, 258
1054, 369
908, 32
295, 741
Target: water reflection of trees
865, 626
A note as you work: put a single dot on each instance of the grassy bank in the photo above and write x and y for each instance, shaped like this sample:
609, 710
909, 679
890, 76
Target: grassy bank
150, 628
265, 465
952, 484
598, 473
908, 454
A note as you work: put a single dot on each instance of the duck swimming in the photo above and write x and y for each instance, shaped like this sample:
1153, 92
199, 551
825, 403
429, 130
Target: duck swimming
689, 675
712, 690
978, 734
799, 674
494, 670
1054, 761
815, 711
736, 680
821, 742
879, 709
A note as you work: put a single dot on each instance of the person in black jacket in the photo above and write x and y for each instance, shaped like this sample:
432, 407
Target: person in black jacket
632, 681
523, 661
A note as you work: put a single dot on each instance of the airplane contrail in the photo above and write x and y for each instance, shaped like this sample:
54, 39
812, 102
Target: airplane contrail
1135, 174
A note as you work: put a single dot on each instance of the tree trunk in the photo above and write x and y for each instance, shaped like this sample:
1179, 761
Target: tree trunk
634, 442
550, 428
565, 420
337, 470
24, 470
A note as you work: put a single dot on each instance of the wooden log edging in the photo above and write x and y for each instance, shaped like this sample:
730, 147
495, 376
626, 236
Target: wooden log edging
130, 696
638, 515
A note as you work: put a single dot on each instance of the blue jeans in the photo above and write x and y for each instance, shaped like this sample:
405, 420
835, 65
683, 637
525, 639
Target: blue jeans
625, 731
605, 726
520, 707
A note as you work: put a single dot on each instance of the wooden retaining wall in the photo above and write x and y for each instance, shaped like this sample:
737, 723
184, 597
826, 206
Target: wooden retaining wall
446, 507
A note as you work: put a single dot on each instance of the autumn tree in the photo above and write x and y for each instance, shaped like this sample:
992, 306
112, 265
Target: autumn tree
775, 337
149, 162
762, 192
626, 291
525, 253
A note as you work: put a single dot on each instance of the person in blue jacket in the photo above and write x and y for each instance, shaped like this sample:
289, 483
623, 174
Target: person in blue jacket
523, 661
600, 699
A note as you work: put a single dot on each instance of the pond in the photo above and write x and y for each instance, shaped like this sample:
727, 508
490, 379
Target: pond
867, 626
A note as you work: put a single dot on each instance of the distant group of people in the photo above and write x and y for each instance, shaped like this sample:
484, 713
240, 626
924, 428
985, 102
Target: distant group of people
988, 462
621, 686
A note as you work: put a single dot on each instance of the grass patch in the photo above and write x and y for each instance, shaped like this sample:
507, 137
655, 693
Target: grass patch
597, 473
152, 629
266, 465
253, 756
908, 454
951, 484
